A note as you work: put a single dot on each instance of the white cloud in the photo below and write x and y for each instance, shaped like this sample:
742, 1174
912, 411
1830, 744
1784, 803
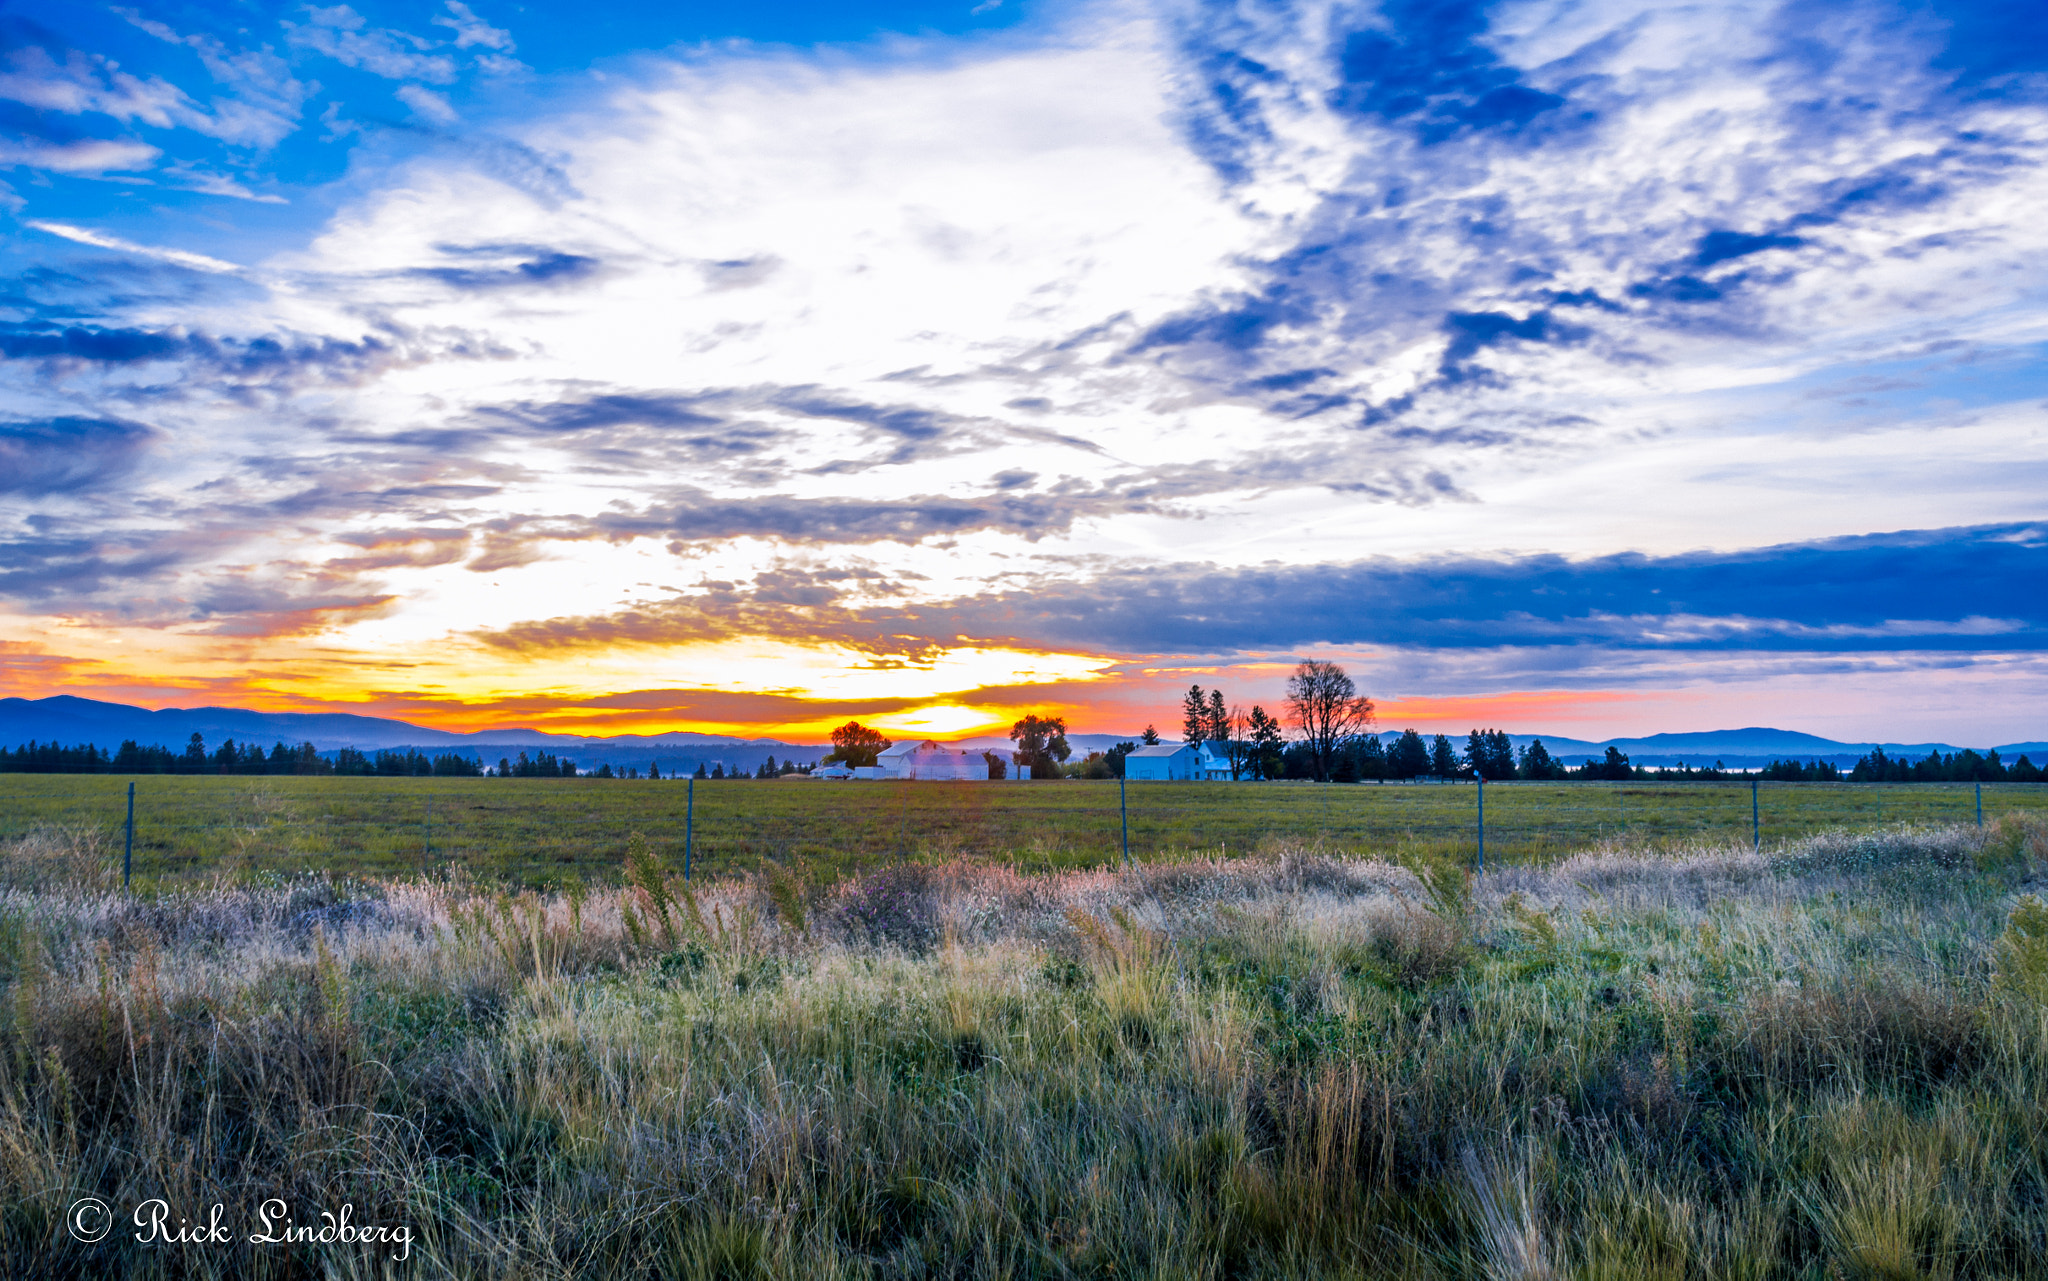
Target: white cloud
343, 35
87, 84
472, 30
428, 105
266, 100
87, 236
86, 156
213, 184
84, 83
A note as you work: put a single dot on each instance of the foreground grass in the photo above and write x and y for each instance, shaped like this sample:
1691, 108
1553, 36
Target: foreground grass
1824, 1062
538, 832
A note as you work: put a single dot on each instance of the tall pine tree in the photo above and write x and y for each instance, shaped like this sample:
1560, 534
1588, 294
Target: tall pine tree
1194, 720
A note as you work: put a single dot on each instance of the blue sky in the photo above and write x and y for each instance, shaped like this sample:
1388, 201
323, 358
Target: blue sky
1631, 367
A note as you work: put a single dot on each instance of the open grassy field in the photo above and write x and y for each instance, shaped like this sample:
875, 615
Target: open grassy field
535, 831
1826, 1060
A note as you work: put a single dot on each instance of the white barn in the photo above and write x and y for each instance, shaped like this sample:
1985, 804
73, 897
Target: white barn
1163, 762
927, 759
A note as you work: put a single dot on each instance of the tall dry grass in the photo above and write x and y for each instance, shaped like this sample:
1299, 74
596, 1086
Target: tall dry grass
1817, 1062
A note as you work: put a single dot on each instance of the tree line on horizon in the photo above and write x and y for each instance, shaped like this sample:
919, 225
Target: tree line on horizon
1964, 766
1333, 741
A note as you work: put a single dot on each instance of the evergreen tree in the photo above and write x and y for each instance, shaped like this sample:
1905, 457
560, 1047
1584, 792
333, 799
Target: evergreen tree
1114, 757
1344, 769
1151, 736
1409, 756
1614, 767
51, 758
1194, 721
1267, 741
1217, 728
1372, 759
1443, 758
1538, 763
1490, 754
135, 759
456, 765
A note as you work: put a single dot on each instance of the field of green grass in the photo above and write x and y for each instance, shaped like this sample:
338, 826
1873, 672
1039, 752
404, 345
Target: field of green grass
1827, 1059
537, 831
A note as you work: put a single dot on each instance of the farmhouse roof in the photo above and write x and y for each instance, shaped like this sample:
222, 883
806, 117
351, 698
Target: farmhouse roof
1162, 749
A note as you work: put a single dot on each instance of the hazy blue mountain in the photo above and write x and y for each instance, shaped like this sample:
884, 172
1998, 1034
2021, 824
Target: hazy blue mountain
1736, 748
68, 719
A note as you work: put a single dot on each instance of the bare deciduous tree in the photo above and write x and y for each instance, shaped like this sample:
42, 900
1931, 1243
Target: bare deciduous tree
1326, 709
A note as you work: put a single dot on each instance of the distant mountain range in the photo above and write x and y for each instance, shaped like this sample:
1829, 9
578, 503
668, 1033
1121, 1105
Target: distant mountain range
71, 720
1742, 748
1735, 748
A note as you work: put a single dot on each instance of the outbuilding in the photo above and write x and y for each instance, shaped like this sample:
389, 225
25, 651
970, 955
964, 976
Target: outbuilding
1163, 762
927, 759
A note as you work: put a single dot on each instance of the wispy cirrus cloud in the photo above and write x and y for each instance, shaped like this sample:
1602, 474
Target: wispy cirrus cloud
100, 240
344, 35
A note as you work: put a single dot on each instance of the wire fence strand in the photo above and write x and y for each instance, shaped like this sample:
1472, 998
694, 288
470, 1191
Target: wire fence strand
542, 831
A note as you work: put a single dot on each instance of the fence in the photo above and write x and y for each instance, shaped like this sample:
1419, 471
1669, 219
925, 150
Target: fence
541, 830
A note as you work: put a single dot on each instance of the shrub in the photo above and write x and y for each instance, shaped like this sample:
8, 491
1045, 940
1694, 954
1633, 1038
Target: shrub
893, 907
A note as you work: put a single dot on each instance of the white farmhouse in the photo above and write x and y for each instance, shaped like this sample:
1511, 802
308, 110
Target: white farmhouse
1214, 765
1163, 762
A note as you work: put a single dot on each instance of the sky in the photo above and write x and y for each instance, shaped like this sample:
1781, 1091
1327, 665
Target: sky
1582, 367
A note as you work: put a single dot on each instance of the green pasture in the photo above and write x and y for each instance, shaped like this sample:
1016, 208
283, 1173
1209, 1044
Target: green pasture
537, 831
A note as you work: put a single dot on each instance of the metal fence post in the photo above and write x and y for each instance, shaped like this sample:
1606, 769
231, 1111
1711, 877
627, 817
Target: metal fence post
689, 822
128, 847
1482, 822
1123, 806
1980, 803
1756, 827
